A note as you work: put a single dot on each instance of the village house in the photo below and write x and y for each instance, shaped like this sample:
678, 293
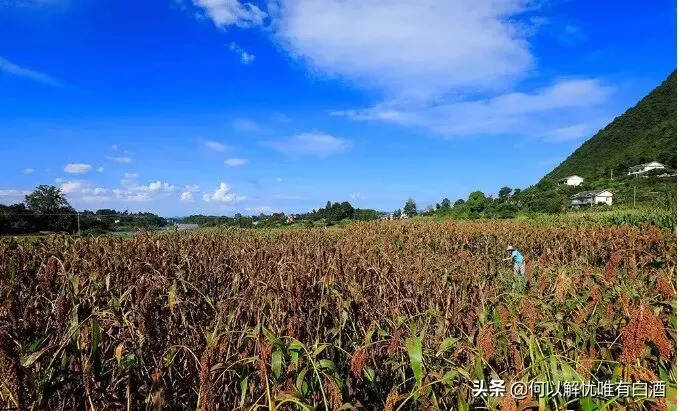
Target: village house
571, 180
592, 197
644, 168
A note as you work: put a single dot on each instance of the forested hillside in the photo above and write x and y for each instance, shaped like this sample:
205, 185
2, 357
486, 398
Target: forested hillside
643, 133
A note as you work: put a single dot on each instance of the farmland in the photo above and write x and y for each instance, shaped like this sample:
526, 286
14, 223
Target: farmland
386, 315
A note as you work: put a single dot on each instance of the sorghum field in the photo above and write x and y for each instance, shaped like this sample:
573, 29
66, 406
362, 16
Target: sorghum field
381, 315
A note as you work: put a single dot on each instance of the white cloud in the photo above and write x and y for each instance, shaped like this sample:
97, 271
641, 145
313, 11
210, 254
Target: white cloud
409, 48
215, 146
27, 171
72, 187
100, 170
261, 209
154, 187
16, 70
138, 197
59, 180
516, 113
223, 194
124, 160
279, 179
245, 57
315, 143
235, 162
224, 13
186, 197
161, 186
77, 168
131, 175
95, 194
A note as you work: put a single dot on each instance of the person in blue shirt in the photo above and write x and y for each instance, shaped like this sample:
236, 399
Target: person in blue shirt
519, 265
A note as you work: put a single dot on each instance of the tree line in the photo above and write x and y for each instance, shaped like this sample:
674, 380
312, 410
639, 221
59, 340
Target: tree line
47, 209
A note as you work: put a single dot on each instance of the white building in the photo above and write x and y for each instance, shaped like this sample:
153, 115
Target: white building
592, 197
571, 180
643, 168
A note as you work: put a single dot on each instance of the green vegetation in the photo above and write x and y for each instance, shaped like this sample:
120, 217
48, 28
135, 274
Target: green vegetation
46, 209
331, 214
645, 132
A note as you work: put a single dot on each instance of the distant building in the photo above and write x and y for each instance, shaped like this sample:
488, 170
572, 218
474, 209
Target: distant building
643, 168
185, 227
571, 180
290, 219
592, 197
404, 216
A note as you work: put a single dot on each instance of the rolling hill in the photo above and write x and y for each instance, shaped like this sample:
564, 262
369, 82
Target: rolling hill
643, 133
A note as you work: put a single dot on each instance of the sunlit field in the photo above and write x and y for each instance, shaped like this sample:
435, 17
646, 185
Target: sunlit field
382, 315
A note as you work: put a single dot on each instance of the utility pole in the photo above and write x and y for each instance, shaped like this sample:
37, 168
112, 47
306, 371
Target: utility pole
611, 174
78, 214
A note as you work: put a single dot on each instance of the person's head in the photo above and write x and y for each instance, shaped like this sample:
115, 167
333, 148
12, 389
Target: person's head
510, 248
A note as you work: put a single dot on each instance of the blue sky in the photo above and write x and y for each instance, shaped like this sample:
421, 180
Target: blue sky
223, 106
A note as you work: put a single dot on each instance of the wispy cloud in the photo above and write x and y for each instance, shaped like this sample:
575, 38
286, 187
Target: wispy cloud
245, 125
27, 171
215, 145
519, 113
315, 143
245, 57
235, 162
224, 13
77, 168
124, 160
186, 197
16, 70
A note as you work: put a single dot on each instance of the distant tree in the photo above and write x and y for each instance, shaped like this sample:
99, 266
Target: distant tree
397, 213
459, 202
445, 203
504, 194
517, 191
345, 211
438, 206
410, 208
46, 199
476, 201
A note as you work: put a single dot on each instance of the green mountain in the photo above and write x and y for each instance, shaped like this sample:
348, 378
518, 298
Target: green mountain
645, 132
